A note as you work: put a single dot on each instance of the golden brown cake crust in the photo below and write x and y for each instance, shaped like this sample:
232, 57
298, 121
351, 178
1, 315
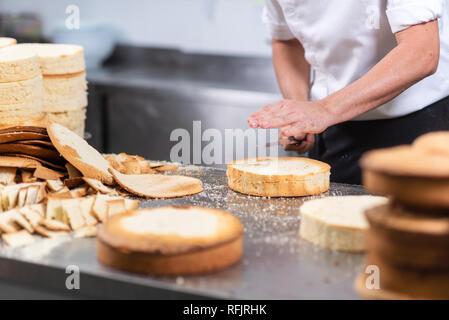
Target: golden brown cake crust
404, 283
418, 192
289, 185
229, 228
409, 238
72, 155
433, 143
406, 161
157, 185
170, 254
200, 261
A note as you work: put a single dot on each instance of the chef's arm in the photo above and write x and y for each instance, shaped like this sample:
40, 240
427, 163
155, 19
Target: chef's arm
292, 69
415, 57
293, 76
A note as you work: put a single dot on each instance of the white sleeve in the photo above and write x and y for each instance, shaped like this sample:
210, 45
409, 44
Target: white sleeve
274, 19
405, 13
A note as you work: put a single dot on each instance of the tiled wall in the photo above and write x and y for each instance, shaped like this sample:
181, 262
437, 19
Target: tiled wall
219, 26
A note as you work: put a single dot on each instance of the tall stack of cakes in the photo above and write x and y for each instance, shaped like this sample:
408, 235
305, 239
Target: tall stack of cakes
21, 88
64, 80
408, 239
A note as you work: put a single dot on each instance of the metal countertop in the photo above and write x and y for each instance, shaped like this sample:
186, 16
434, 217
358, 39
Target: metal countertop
277, 264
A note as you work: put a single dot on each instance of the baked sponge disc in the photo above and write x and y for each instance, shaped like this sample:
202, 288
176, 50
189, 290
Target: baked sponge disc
337, 223
79, 153
417, 176
157, 185
5, 42
433, 143
171, 241
279, 177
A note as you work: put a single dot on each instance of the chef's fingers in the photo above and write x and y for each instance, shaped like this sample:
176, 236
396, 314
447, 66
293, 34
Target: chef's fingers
310, 137
309, 143
263, 114
304, 146
296, 130
252, 122
275, 120
284, 141
298, 148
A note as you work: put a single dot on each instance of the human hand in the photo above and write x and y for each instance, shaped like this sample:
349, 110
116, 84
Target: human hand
296, 118
307, 142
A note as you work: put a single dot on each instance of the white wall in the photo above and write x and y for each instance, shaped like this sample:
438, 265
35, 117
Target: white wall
219, 26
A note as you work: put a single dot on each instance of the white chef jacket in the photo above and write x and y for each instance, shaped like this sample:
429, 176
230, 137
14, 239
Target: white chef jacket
344, 39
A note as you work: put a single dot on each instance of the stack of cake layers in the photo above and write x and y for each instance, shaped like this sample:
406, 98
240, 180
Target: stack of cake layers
21, 88
408, 239
64, 81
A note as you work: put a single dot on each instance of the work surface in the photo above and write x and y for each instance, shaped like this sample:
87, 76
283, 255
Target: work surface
276, 264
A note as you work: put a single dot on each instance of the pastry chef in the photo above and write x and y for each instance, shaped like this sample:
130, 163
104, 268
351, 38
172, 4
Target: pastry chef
356, 75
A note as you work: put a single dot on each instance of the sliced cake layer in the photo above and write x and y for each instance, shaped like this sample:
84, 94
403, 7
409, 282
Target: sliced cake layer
279, 177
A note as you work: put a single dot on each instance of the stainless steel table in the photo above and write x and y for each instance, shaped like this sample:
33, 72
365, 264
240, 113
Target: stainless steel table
277, 264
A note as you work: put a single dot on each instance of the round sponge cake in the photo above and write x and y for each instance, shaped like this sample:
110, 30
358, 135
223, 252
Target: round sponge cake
337, 222
171, 241
279, 177
415, 177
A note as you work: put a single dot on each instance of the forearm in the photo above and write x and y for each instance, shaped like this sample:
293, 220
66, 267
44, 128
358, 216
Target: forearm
405, 65
292, 69
415, 57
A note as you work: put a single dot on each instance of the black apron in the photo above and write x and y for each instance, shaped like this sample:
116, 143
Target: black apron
342, 145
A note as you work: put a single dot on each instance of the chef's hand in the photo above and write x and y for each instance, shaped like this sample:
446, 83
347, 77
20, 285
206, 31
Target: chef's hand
303, 147
296, 118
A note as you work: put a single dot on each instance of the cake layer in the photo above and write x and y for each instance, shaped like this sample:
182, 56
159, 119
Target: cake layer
17, 64
406, 161
21, 92
73, 120
33, 119
409, 238
60, 103
171, 241
402, 282
56, 59
65, 85
337, 222
279, 177
171, 230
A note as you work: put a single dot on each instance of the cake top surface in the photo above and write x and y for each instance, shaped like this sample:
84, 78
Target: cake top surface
280, 166
50, 50
193, 222
170, 230
4, 41
14, 53
344, 211
407, 161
